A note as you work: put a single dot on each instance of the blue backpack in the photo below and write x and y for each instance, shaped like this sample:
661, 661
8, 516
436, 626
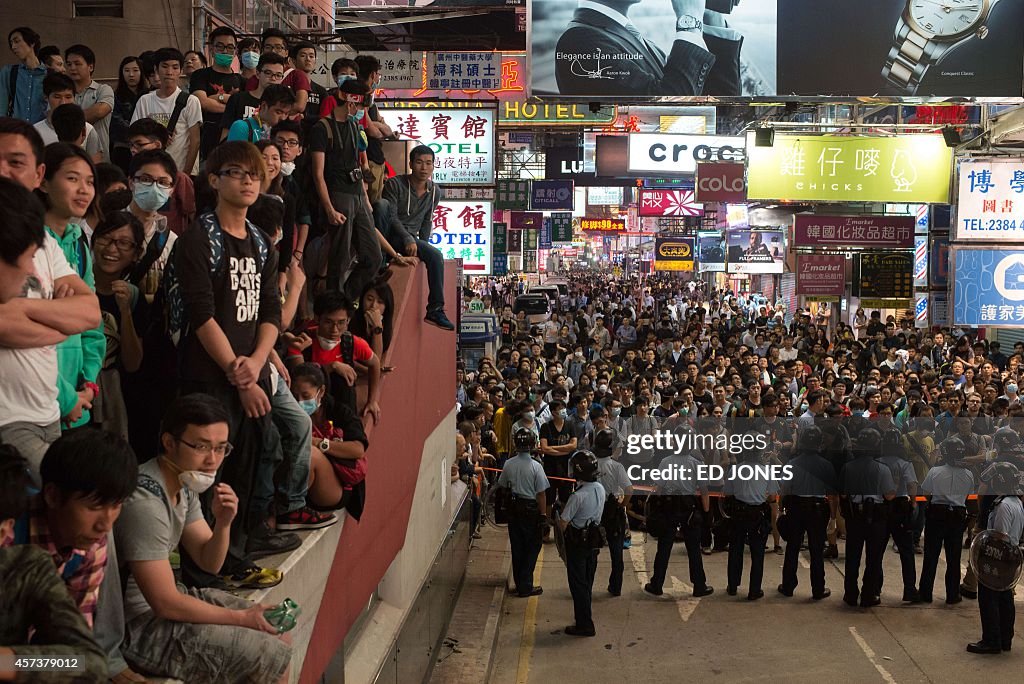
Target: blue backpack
177, 317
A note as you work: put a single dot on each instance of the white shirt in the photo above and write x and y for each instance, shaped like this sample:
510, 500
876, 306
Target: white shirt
621, 19
152, 106
29, 376
92, 138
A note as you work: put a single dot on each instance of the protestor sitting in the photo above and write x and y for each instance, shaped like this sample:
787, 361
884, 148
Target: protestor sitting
374, 322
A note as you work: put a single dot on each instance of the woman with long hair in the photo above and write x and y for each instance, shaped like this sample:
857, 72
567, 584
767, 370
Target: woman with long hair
375, 323
130, 87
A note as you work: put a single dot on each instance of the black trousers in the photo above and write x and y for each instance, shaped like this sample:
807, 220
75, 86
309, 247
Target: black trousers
944, 529
691, 538
355, 255
900, 528
749, 528
865, 532
810, 517
581, 566
526, 537
997, 616
616, 538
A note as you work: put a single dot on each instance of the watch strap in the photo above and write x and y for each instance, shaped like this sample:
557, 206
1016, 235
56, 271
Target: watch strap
909, 58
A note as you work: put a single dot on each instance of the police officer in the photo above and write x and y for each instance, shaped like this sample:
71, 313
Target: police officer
1006, 518
750, 500
618, 489
805, 502
679, 503
581, 524
900, 521
866, 485
526, 478
946, 486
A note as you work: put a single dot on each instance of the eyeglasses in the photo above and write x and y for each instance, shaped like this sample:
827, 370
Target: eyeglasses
273, 75
275, 48
335, 324
138, 147
222, 48
122, 245
241, 174
281, 142
146, 179
207, 449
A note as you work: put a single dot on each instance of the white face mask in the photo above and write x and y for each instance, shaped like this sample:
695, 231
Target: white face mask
196, 480
326, 344
528, 416
287, 168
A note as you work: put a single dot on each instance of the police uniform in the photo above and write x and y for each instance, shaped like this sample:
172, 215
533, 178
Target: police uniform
864, 483
945, 520
612, 476
807, 510
997, 610
584, 508
677, 504
900, 521
752, 524
526, 478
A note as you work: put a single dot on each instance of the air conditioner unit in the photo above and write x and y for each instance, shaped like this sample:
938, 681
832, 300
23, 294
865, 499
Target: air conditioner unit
1007, 129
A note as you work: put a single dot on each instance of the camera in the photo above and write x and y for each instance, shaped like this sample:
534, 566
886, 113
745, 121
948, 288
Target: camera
355, 176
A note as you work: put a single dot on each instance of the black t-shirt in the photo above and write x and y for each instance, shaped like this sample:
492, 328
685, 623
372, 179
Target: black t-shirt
317, 94
240, 106
340, 152
374, 147
214, 83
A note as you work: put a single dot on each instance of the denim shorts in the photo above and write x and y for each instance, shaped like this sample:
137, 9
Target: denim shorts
210, 654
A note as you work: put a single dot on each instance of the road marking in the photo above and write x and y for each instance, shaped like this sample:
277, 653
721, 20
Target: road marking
686, 603
803, 562
529, 626
638, 556
871, 656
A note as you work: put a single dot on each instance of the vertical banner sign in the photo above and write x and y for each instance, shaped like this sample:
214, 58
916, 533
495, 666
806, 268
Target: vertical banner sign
940, 309
464, 70
521, 220
921, 261
530, 261
561, 227
512, 195
500, 265
500, 238
722, 182
886, 275
938, 263
821, 276
462, 141
462, 230
550, 195
921, 311
673, 254
515, 242
530, 239
991, 203
669, 203
545, 234
988, 287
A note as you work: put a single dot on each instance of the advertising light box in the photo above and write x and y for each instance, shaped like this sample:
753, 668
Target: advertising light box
990, 206
462, 141
462, 230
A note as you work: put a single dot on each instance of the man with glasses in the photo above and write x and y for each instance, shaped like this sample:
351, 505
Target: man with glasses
275, 42
148, 135
178, 111
288, 136
215, 84
243, 104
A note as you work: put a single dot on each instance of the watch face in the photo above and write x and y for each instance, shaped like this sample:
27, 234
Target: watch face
947, 18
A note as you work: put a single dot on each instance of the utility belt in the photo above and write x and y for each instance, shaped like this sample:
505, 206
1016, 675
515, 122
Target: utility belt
865, 511
901, 509
744, 511
946, 513
525, 510
592, 537
805, 504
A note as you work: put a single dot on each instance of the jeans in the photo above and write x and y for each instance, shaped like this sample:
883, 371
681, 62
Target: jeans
296, 430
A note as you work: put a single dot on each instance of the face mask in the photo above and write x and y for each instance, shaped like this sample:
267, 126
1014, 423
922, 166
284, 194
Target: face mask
326, 344
528, 416
223, 60
616, 412
359, 114
250, 60
196, 480
344, 77
287, 168
603, 388
150, 197
309, 406
1011, 388
563, 413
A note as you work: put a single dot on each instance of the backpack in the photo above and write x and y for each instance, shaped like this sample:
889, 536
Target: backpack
177, 319
12, 89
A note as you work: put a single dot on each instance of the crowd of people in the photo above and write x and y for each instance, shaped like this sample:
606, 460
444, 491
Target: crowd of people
194, 272
886, 431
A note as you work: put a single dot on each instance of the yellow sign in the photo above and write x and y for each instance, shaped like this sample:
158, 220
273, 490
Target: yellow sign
905, 168
822, 298
673, 265
886, 303
673, 254
520, 113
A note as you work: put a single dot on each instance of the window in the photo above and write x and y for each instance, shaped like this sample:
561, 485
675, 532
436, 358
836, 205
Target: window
99, 8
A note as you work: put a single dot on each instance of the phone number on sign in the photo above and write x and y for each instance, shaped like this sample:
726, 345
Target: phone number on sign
26, 664
973, 225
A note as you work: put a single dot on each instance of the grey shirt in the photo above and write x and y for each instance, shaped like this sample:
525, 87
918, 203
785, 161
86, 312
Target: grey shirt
96, 93
1008, 517
686, 483
413, 213
612, 476
524, 476
754, 491
813, 477
865, 479
948, 485
902, 472
585, 506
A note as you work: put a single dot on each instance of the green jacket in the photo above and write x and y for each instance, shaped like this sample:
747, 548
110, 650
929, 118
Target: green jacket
79, 357
34, 597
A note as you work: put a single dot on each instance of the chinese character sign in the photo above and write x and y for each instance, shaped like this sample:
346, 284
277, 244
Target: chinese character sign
991, 201
399, 70
464, 71
906, 168
811, 230
988, 287
551, 195
545, 234
500, 238
821, 275
462, 141
561, 227
513, 195
885, 275
673, 254
668, 203
599, 225
462, 230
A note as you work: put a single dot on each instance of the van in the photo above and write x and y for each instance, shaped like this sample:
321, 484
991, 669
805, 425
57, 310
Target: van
551, 291
561, 283
536, 305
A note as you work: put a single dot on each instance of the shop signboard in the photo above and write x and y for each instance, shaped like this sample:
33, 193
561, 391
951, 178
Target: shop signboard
722, 182
599, 225
812, 230
545, 234
399, 69
885, 275
756, 250
668, 203
903, 168
821, 275
500, 237
522, 113
512, 195
530, 239
463, 230
600, 196
990, 206
561, 227
462, 141
673, 254
515, 242
670, 154
464, 70
521, 220
711, 252
938, 262
500, 265
548, 195
988, 287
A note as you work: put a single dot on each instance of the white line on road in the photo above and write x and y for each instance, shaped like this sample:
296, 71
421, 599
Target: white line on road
686, 603
871, 656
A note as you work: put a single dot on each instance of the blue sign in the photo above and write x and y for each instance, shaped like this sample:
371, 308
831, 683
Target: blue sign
500, 265
988, 288
552, 195
545, 234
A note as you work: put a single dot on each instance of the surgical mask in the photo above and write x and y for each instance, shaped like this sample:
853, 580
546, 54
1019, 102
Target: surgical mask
358, 116
603, 388
563, 413
287, 168
326, 344
344, 77
223, 60
528, 416
250, 60
309, 406
150, 197
196, 480
615, 411
1011, 388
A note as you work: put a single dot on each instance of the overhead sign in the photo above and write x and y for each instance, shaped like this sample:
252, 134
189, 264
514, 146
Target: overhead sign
522, 113
756, 250
673, 254
812, 230
561, 227
603, 196
500, 238
399, 69
544, 241
821, 275
599, 225
885, 275
464, 70
523, 220
905, 168
721, 182
711, 252
990, 205
988, 287
512, 195
462, 141
668, 203
673, 155
462, 230
546, 195
564, 162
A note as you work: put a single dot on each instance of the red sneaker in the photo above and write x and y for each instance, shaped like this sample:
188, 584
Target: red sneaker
305, 519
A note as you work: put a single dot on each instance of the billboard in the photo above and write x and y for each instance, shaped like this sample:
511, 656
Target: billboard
821, 275
812, 230
463, 230
711, 252
828, 168
721, 182
885, 275
670, 154
668, 203
990, 205
756, 250
988, 287
398, 70
673, 254
551, 195
599, 225
604, 196
462, 141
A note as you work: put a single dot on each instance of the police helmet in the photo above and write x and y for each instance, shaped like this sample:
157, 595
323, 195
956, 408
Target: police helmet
868, 442
583, 464
810, 439
524, 439
892, 443
953, 451
604, 440
1007, 442
1002, 478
